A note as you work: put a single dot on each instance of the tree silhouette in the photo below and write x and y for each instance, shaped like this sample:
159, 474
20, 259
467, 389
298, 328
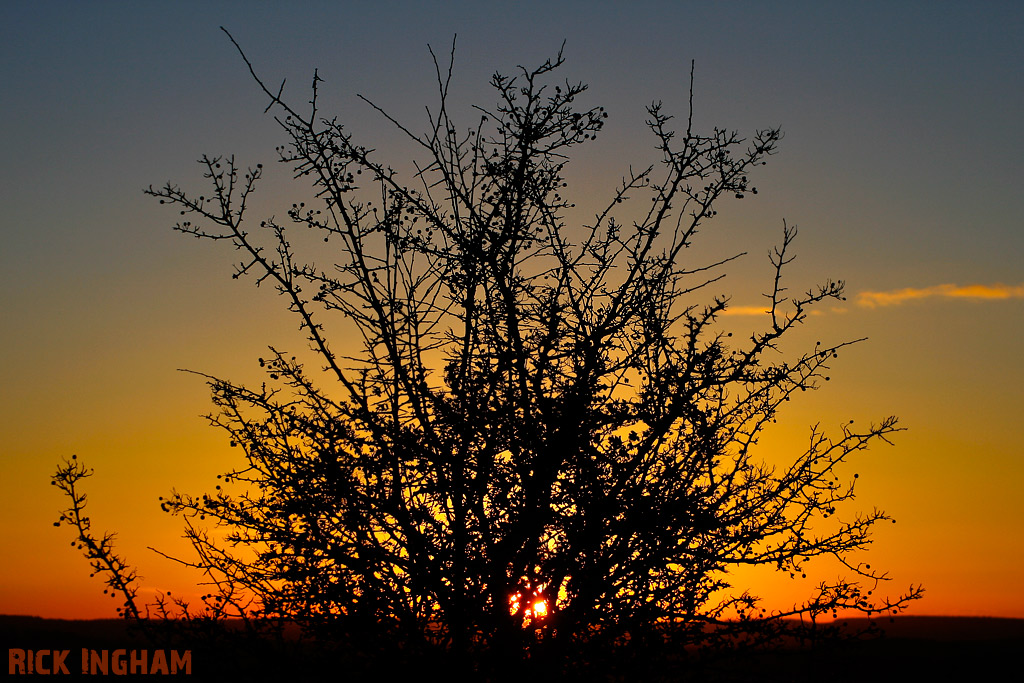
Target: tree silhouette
528, 428
121, 579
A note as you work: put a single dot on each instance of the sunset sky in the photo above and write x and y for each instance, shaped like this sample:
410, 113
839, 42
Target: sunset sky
902, 164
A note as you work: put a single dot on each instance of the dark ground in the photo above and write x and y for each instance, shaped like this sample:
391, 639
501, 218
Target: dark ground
911, 649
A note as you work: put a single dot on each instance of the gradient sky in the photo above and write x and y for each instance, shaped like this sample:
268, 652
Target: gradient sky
901, 164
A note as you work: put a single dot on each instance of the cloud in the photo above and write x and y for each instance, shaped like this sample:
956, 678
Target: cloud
974, 292
746, 310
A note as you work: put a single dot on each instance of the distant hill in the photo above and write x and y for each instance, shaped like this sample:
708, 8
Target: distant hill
947, 628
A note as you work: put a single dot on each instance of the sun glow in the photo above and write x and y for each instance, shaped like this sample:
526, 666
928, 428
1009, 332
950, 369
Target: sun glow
534, 606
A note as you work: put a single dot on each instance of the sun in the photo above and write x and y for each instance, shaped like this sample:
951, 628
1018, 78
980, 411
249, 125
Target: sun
533, 606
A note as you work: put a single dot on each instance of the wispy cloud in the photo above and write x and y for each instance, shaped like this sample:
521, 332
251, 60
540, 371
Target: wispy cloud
746, 310
976, 292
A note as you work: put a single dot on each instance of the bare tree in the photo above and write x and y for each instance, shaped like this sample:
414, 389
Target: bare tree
545, 431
